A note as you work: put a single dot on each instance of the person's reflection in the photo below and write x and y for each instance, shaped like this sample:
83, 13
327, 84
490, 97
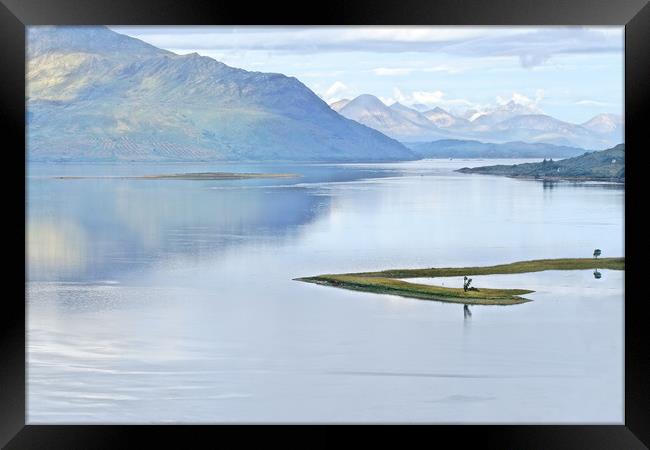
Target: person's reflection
597, 275
466, 312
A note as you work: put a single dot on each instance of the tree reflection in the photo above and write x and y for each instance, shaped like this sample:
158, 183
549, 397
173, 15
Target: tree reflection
548, 184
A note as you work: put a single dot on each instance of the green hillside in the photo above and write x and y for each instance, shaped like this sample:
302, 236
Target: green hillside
604, 165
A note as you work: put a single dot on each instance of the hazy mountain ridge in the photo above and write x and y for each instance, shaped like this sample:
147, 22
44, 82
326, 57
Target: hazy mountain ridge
94, 94
508, 122
604, 165
453, 148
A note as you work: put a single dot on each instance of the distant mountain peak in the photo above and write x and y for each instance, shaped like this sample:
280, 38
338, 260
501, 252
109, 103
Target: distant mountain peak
444, 119
368, 100
604, 123
337, 105
520, 108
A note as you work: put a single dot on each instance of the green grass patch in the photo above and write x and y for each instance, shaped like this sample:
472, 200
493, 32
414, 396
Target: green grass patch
388, 282
537, 265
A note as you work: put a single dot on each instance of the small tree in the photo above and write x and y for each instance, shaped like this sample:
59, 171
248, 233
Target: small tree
597, 253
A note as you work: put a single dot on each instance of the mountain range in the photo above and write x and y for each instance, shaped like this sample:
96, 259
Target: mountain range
509, 122
97, 95
397, 121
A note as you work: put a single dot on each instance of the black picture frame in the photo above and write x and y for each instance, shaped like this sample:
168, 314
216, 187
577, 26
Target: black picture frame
15, 15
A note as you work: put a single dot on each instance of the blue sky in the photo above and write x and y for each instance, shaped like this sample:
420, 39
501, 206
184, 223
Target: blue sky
571, 73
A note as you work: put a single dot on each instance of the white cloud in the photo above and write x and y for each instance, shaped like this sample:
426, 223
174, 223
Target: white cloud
430, 99
411, 33
534, 46
443, 68
461, 105
521, 99
392, 71
337, 91
323, 74
335, 88
482, 61
591, 103
398, 71
531, 45
399, 96
387, 100
530, 60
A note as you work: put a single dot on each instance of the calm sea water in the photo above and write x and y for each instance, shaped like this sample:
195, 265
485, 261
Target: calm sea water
173, 301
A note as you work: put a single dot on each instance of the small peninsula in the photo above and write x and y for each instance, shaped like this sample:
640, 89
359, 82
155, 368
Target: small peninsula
189, 176
389, 281
604, 165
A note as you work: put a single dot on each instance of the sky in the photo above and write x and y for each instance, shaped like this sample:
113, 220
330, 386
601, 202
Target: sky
571, 73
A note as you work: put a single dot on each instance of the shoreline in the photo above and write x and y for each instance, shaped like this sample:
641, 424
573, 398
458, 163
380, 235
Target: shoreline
182, 176
534, 178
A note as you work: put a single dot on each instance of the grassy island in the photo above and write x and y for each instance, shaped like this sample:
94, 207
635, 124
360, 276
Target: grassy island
190, 176
389, 282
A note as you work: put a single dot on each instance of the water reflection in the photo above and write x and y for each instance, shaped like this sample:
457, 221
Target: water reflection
554, 184
466, 312
101, 228
56, 246
549, 184
109, 227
